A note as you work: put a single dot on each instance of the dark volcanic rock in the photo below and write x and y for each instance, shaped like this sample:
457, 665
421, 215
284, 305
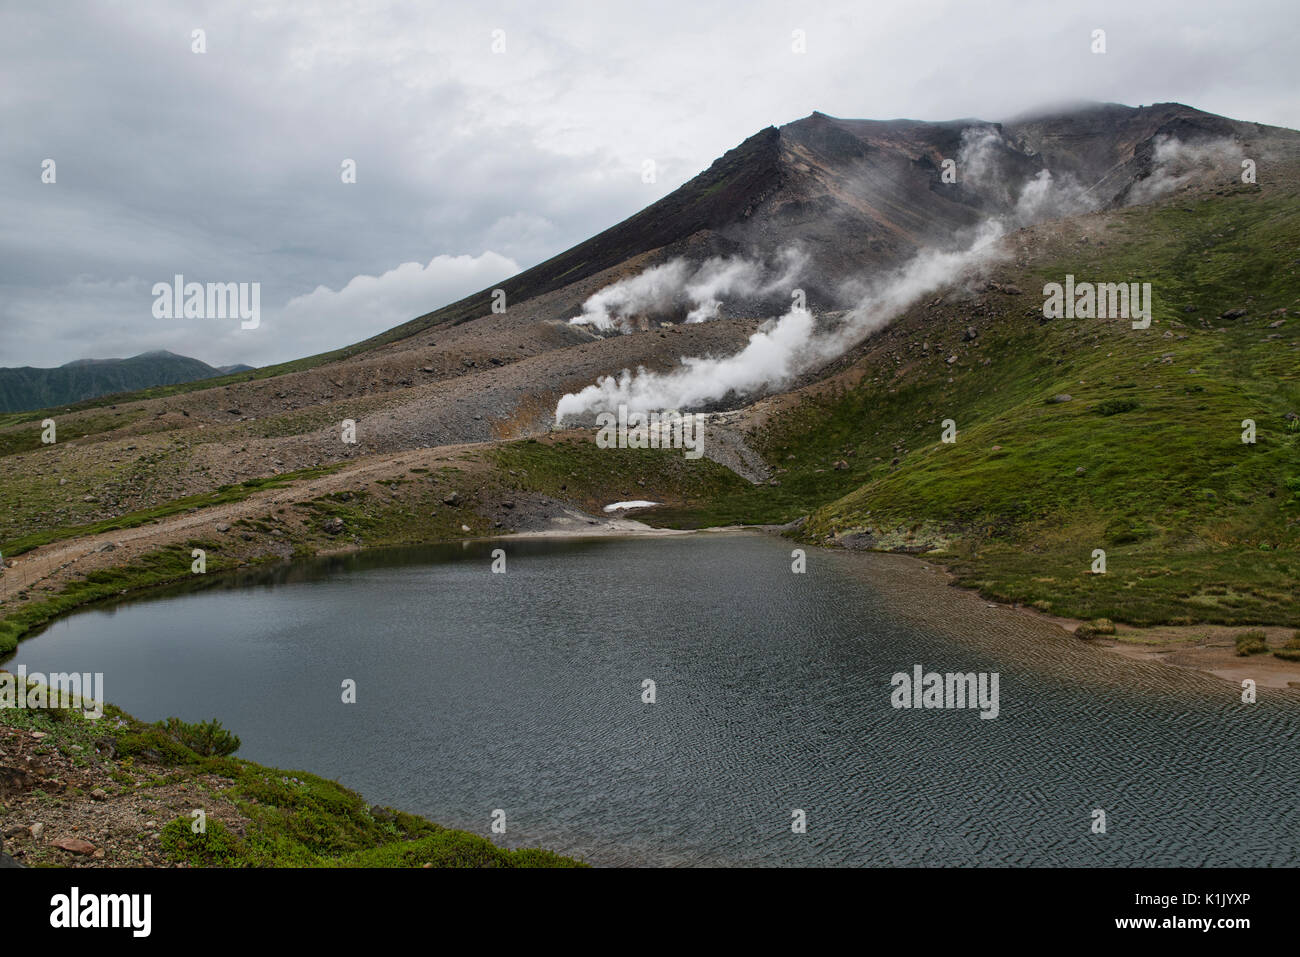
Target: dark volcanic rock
5, 859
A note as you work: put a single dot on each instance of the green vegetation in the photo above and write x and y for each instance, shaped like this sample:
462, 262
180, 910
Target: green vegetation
1291, 650
206, 738
221, 496
1102, 626
1252, 642
1116, 406
287, 818
28, 438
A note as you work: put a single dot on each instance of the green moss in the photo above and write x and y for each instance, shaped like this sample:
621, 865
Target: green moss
452, 849
1116, 406
214, 846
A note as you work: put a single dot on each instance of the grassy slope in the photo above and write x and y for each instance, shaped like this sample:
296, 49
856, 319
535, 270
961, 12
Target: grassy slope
1197, 526
291, 819
221, 495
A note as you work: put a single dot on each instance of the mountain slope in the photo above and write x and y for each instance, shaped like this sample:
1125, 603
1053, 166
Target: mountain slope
1075, 435
1163, 483
858, 196
31, 388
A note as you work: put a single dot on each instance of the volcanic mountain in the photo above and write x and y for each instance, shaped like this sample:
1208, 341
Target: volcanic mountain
1069, 432
863, 194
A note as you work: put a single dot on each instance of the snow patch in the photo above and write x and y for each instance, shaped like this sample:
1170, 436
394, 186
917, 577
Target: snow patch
622, 506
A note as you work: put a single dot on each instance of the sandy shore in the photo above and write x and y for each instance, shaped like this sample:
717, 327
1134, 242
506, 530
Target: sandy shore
1210, 649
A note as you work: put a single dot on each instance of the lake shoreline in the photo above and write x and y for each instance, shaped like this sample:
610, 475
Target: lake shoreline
1209, 649
805, 655
1205, 648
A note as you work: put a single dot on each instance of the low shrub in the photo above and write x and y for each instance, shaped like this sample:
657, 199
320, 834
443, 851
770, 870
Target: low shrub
206, 739
1251, 643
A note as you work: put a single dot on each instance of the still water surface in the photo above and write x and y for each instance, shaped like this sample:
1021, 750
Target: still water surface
522, 691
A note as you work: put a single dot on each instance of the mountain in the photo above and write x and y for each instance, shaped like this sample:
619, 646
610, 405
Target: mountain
1072, 435
30, 388
860, 194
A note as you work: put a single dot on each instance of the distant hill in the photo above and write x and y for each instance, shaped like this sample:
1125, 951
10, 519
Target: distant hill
30, 388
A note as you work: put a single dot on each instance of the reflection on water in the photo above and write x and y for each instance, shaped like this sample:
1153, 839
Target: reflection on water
522, 691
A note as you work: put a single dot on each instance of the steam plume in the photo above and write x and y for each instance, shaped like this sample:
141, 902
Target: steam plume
676, 286
1178, 163
785, 348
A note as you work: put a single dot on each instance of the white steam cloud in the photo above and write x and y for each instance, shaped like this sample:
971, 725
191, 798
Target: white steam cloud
1178, 163
978, 159
984, 161
785, 348
668, 289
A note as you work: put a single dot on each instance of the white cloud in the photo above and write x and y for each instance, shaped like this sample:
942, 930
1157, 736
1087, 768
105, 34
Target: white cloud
327, 319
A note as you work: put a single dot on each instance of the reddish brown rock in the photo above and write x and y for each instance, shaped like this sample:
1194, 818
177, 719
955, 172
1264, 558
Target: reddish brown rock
75, 845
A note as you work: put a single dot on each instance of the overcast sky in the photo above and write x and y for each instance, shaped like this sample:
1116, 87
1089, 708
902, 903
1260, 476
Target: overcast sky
225, 166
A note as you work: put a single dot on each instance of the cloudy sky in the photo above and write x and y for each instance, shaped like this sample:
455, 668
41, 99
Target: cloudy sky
473, 163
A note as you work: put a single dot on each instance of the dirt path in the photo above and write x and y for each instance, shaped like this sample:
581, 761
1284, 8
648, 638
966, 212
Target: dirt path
49, 567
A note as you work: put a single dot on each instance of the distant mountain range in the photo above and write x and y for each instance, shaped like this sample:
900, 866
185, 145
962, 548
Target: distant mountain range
30, 388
